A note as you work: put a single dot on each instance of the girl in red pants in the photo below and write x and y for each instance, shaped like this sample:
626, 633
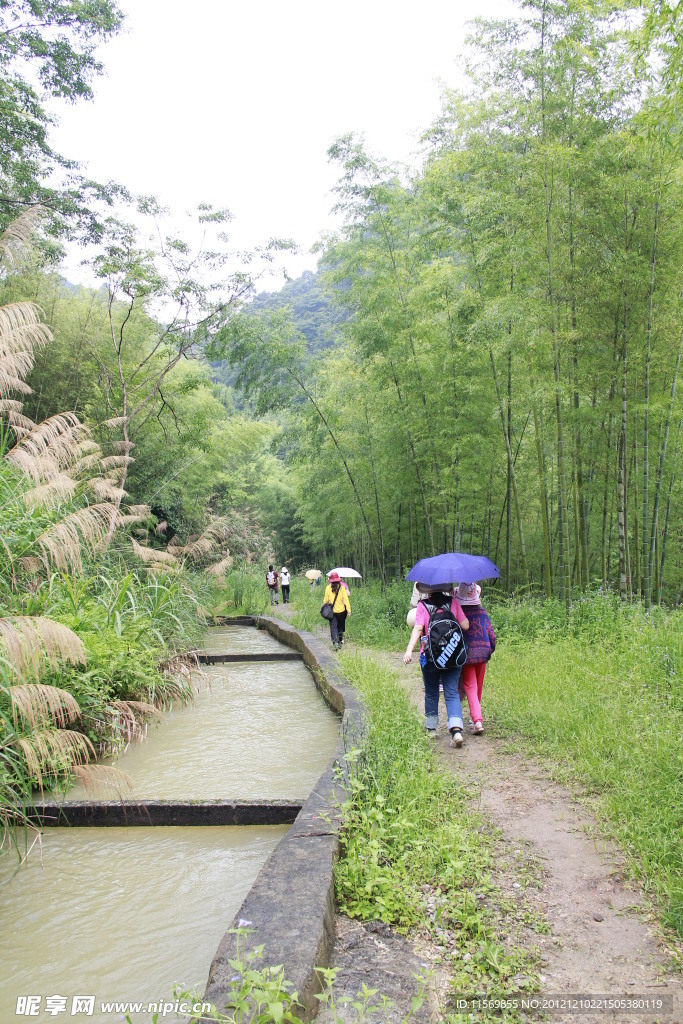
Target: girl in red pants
481, 643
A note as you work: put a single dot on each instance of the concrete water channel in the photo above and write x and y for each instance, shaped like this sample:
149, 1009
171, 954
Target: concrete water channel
126, 911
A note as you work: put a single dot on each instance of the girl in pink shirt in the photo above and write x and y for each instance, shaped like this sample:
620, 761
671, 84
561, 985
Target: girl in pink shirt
431, 674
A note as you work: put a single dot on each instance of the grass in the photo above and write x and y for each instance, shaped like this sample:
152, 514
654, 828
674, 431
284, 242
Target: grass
413, 853
602, 705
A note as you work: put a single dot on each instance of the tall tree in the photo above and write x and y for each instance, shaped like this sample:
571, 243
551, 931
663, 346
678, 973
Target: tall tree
47, 49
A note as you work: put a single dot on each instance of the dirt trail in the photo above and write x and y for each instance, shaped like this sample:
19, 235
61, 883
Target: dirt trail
603, 939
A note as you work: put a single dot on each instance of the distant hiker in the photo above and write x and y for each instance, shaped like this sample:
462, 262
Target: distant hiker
438, 621
273, 584
284, 580
336, 595
315, 580
481, 643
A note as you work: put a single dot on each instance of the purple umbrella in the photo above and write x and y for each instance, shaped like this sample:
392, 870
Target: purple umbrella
453, 567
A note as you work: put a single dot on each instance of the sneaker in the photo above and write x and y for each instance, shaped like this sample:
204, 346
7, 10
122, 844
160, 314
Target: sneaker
431, 733
456, 738
478, 728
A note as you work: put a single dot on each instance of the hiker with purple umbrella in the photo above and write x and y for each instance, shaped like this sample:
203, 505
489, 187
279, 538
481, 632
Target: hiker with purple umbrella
439, 625
439, 612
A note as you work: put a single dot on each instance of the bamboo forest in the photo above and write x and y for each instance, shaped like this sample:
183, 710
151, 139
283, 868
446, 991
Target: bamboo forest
484, 361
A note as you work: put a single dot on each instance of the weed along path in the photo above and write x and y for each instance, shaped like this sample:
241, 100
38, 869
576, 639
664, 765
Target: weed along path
602, 938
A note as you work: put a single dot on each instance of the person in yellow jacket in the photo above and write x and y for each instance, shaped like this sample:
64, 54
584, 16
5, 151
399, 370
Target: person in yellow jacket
335, 594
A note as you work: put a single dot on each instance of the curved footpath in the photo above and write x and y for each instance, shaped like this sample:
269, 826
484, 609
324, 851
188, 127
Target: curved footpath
601, 936
290, 907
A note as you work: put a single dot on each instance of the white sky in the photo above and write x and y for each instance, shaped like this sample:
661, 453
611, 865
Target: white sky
235, 103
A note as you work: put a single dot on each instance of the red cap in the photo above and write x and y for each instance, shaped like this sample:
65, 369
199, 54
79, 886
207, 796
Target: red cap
334, 577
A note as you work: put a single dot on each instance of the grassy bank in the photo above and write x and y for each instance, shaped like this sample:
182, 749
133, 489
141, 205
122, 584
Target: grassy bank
600, 701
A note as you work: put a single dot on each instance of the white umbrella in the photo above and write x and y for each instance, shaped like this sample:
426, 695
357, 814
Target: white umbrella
349, 573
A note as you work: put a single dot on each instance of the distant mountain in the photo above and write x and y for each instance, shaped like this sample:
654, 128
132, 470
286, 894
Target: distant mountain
315, 314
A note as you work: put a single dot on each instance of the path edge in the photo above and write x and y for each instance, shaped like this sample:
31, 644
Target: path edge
290, 907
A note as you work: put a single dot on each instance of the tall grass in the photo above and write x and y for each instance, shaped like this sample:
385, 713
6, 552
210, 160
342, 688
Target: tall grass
245, 592
87, 629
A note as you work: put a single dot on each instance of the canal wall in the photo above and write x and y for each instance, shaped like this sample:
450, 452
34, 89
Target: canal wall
126, 813
290, 907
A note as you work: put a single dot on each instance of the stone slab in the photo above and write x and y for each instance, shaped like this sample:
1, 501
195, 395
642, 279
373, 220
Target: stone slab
116, 813
225, 659
234, 620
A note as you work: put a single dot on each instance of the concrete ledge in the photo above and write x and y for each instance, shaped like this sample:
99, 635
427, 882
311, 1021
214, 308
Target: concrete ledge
105, 814
227, 659
290, 906
235, 620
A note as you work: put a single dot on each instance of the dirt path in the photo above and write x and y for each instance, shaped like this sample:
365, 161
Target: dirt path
603, 939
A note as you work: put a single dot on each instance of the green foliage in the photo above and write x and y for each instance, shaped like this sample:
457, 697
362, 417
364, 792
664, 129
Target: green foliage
504, 376
245, 592
314, 313
195, 457
48, 47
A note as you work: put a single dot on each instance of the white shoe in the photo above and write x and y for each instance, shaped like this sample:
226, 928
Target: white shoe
456, 738
478, 728
431, 733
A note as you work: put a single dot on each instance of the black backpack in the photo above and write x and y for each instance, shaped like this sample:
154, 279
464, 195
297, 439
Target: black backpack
446, 647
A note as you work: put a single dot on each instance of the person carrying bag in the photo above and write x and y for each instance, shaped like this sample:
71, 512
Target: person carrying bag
336, 606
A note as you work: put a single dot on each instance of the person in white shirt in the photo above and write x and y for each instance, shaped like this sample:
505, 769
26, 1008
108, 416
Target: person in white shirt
284, 581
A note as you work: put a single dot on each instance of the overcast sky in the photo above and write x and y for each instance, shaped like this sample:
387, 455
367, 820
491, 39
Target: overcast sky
237, 103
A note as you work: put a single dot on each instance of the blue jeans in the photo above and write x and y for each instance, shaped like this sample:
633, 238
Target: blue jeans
432, 676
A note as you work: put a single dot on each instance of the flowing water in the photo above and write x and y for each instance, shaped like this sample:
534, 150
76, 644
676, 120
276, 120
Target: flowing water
240, 640
123, 913
256, 731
